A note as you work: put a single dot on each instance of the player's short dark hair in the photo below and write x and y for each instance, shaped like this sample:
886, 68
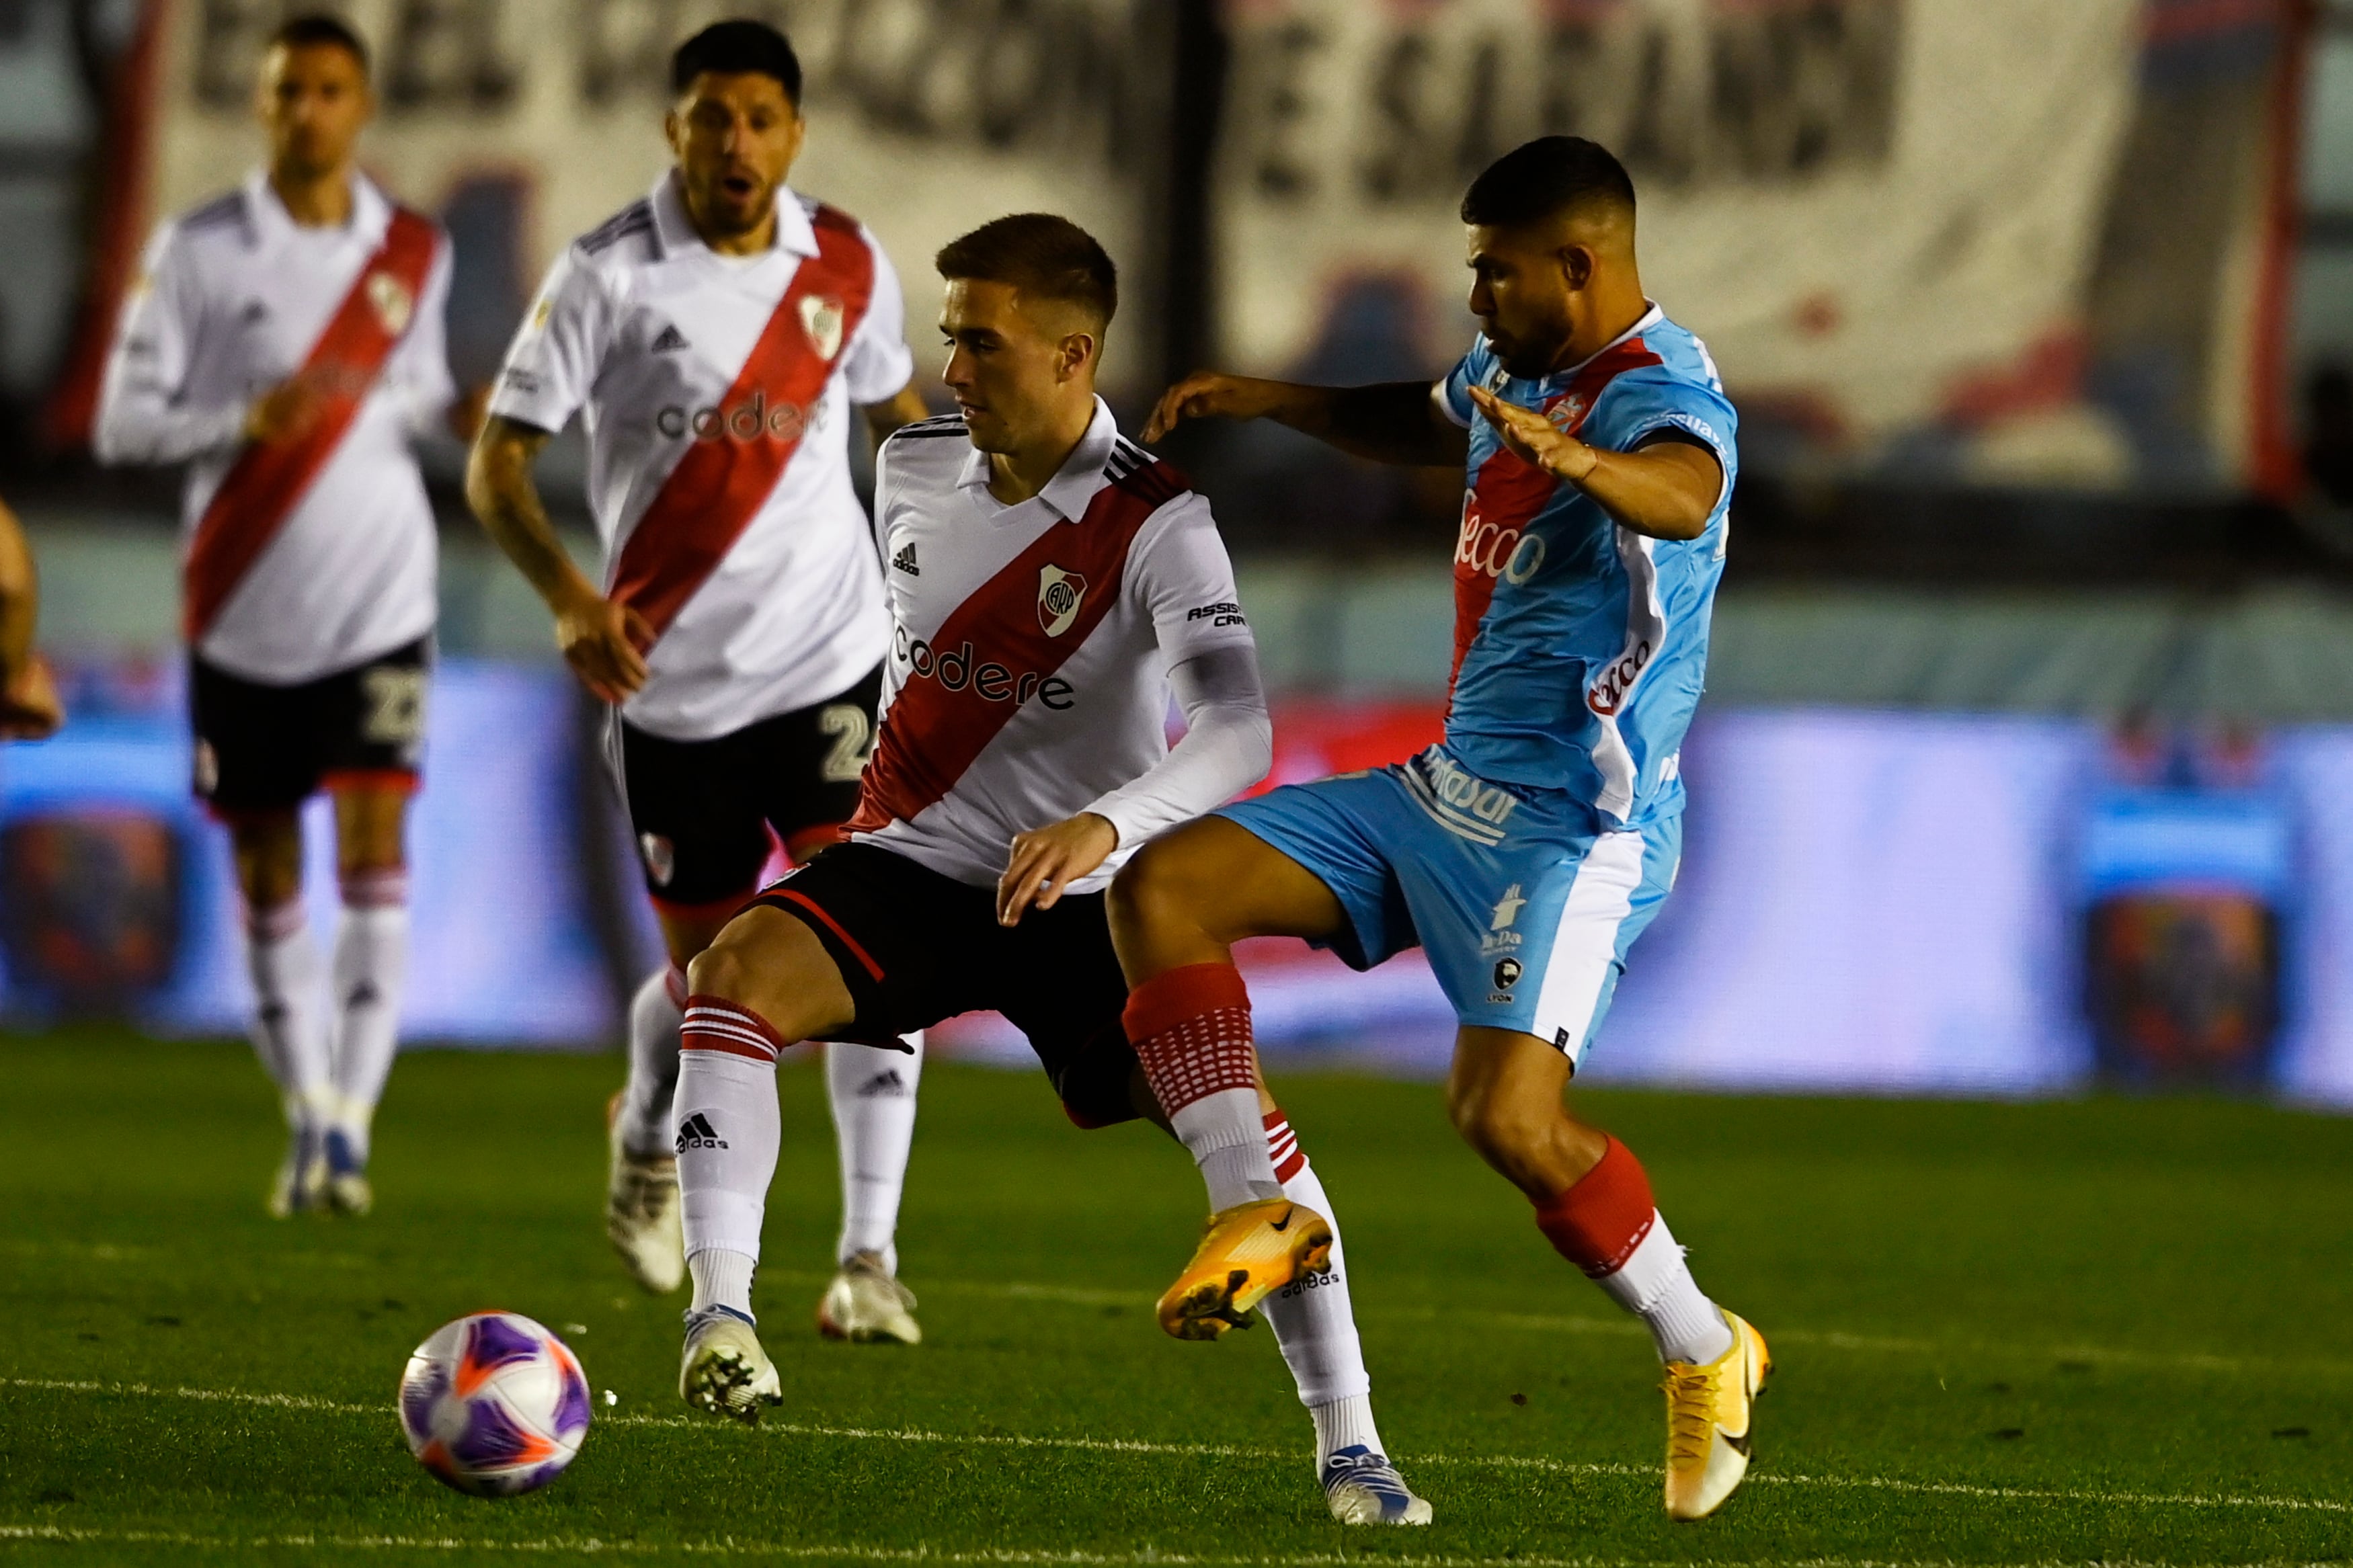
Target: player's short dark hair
314, 29
734, 46
1543, 178
1039, 254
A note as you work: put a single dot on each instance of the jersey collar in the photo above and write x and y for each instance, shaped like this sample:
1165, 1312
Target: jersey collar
1074, 487
269, 220
674, 231
1651, 318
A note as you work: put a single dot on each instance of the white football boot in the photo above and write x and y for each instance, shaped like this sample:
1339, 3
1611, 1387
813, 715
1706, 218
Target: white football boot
1363, 1488
867, 1305
724, 1369
641, 1212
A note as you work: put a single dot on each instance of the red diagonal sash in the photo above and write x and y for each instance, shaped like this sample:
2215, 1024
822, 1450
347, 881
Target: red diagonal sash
1017, 628
261, 490
727, 474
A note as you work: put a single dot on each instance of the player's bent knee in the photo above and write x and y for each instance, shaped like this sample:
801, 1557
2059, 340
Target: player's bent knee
770, 963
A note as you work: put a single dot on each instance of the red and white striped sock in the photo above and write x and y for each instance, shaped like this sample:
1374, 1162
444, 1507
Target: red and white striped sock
1608, 1226
1314, 1322
728, 1131
1191, 1030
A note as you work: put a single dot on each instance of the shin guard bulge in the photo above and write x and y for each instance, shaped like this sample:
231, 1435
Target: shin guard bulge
1608, 1226
728, 1131
290, 1026
370, 970
872, 1093
1191, 1030
656, 1013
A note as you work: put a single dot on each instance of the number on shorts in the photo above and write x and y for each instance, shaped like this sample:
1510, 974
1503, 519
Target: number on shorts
853, 742
396, 706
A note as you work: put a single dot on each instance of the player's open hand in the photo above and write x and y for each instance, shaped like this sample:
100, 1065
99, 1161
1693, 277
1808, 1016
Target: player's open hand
29, 708
1048, 860
1207, 394
604, 641
1532, 438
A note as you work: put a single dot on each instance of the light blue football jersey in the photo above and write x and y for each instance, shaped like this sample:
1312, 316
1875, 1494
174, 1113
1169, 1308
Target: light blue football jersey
1580, 648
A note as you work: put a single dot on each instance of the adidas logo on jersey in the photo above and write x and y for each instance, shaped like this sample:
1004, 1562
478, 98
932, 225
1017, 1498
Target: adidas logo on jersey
670, 341
905, 562
884, 1084
695, 1132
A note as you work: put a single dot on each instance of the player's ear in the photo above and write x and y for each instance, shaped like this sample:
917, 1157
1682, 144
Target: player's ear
1577, 267
1078, 350
674, 132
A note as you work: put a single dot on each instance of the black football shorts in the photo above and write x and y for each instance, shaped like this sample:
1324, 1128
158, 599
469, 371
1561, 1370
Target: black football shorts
262, 748
914, 947
701, 809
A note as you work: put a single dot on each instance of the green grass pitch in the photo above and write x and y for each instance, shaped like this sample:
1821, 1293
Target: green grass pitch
2105, 1331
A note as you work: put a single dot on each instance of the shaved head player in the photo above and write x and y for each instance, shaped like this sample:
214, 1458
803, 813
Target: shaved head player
1526, 851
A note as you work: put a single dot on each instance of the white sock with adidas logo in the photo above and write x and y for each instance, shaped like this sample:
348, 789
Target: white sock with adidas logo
371, 964
290, 1024
872, 1092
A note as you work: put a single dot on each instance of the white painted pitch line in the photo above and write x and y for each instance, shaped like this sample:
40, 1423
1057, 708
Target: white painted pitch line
1007, 1556
1224, 1451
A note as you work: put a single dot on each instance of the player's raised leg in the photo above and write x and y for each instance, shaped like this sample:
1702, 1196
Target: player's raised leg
369, 968
765, 984
290, 1022
872, 1092
1175, 911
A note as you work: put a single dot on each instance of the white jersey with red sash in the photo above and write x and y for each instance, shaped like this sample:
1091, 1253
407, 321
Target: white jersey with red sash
315, 553
1028, 665
717, 393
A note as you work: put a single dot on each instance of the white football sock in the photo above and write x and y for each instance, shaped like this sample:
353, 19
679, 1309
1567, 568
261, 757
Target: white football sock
1655, 1284
290, 1026
722, 1279
729, 1128
1314, 1323
872, 1092
371, 964
655, 1012
1225, 1135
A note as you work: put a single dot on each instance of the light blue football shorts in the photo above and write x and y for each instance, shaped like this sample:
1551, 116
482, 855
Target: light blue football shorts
1524, 901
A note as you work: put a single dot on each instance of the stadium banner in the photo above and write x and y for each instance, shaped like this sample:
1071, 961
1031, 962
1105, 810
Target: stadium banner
523, 124
1978, 241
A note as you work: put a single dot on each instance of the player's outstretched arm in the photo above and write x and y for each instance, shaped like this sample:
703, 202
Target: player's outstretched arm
604, 642
1391, 423
1667, 490
28, 697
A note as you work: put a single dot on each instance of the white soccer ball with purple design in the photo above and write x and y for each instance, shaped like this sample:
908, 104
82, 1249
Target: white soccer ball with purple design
494, 1405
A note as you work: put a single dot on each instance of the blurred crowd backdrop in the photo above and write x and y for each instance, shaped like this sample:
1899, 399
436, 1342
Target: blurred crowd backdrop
2033, 694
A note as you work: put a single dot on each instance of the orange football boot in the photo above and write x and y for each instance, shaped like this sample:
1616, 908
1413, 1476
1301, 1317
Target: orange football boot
1246, 1252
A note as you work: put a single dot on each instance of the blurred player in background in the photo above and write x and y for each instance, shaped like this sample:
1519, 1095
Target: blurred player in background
1526, 851
1052, 584
285, 340
29, 709
717, 333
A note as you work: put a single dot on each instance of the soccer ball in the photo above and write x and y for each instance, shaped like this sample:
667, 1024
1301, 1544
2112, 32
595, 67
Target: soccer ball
494, 1405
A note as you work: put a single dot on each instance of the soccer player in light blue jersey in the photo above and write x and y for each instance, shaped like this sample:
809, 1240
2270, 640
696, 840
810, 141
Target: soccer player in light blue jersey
1526, 851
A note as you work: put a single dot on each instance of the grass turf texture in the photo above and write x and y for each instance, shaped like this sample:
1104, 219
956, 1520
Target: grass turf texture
2111, 1330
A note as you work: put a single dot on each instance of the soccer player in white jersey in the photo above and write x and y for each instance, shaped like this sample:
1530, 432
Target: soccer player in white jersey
715, 335
1052, 584
29, 709
285, 342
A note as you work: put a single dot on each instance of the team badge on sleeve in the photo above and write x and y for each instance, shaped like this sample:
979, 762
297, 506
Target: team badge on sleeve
1059, 594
